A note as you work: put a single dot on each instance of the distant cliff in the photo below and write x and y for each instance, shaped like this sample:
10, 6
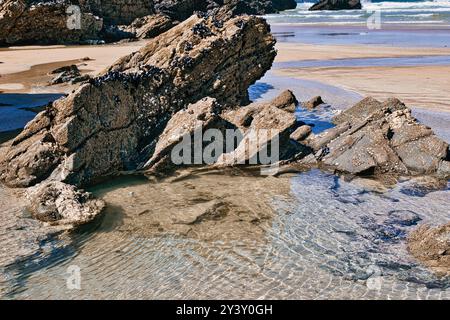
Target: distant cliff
59, 22
337, 5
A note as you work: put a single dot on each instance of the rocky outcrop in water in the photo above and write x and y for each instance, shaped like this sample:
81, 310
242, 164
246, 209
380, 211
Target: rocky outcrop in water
381, 138
111, 124
266, 129
181, 131
240, 135
313, 103
337, 5
58, 203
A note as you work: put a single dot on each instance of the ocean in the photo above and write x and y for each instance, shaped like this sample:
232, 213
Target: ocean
434, 13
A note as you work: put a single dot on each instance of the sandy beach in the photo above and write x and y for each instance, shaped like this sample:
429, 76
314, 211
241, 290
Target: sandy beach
301, 51
380, 82
107, 193
383, 82
26, 69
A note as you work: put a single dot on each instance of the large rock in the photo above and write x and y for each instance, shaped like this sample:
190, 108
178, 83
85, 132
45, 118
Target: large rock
57, 203
313, 103
111, 124
337, 5
186, 130
181, 9
116, 12
431, 246
266, 128
44, 22
151, 26
378, 138
239, 137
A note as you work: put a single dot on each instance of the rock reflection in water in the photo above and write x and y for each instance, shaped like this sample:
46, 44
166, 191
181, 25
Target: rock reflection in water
214, 235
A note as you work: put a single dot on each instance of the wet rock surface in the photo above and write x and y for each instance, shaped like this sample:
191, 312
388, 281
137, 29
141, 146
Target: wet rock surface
44, 22
58, 203
381, 138
111, 125
337, 5
68, 74
49, 21
431, 246
313, 103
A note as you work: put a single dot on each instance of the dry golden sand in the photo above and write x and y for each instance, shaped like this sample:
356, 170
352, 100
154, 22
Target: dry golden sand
25, 69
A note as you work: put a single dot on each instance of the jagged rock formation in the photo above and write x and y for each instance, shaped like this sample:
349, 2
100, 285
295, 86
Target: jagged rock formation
44, 22
150, 26
244, 133
111, 124
181, 130
116, 12
266, 130
60, 204
181, 9
313, 103
379, 138
337, 5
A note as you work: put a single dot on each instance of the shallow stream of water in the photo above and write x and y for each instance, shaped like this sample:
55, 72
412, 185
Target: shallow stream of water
312, 235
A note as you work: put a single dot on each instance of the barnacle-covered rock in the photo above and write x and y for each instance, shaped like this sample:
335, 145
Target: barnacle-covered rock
112, 123
381, 138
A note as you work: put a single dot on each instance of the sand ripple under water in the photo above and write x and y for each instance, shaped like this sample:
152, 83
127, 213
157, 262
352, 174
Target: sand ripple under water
311, 235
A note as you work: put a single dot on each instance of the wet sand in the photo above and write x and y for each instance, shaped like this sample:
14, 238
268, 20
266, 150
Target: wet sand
300, 51
420, 86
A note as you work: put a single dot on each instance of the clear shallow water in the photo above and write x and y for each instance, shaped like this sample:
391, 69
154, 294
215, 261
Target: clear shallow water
312, 235
16, 108
327, 238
